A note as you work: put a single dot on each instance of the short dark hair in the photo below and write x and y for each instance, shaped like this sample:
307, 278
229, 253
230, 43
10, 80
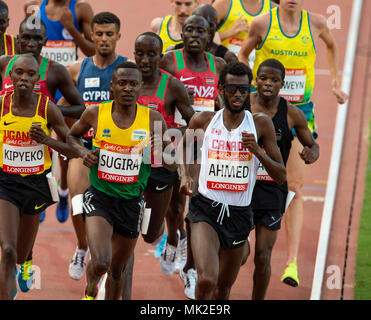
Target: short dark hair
36, 19
153, 35
236, 69
275, 64
106, 17
3, 6
126, 65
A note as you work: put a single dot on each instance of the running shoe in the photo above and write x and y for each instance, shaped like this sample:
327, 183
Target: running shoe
42, 216
63, 209
181, 255
190, 279
78, 263
25, 276
160, 246
87, 297
167, 260
290, 276
16, 290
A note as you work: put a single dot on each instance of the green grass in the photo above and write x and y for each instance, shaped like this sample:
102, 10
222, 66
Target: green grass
362, 290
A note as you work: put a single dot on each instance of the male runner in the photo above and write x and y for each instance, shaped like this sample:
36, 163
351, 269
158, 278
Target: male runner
7, 43
269, 198
288, 33
53, 76
218, 50
120, 166
169, 28
220, 214
27, 118
198, 70
92, 78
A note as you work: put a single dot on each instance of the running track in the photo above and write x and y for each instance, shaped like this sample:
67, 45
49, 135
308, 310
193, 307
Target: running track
56, 243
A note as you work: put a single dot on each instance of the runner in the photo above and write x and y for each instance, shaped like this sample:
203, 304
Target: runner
92, 78
220, 214
288, 33
68, 25
113, 203
53, 76
269, 198
7, 43
26, 122
234, 20
169, 28
210, 14
198, 71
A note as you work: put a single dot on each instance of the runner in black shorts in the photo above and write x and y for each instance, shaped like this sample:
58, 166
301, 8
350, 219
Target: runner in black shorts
26, 122
269, 198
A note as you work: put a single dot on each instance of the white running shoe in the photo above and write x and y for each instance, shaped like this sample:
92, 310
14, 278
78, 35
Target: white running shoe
167, 260
78, 264
181, 255
190, 279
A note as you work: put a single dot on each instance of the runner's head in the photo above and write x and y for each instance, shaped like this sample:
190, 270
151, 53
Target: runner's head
195, 34
183, 9
105, 33
126, 83
148, 52
211, 15
25, 73
32, 36
234, 86
291, 5
270, 78
4, 17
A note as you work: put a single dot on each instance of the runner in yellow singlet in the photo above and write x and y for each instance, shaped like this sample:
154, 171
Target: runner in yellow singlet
288, 33
7, 43
169, 28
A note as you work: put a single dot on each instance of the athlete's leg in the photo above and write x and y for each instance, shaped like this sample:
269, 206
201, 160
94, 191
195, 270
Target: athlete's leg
264, 242
99, 234
9, 222
229, 266
296, 170
128, 279
246, 252
205, 248
122, 250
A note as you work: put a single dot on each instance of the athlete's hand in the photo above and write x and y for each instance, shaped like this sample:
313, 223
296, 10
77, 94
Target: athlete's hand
340, 95
186, 185
307, 155
240, 25
249, 142
90, 157
38, 134
67, 18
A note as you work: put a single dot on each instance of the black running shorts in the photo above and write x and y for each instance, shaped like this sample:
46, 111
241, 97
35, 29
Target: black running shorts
161, 180
233, 230
271, 219
30, 194
124, 215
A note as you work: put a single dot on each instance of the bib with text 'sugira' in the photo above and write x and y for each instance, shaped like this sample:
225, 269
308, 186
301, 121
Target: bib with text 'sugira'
124, 158
19, 153
297, 53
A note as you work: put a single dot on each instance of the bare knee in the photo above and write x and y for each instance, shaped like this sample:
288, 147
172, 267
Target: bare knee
206, 283
222, 293
9, 255
262, 259
101, 265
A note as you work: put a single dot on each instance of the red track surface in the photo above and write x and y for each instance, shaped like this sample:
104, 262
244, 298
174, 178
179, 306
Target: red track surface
56, 242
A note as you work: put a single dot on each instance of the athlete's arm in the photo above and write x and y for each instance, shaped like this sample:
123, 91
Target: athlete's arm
230, 57
88, 119
156, 24
167, 62
56, 121
182, 99
271, 159
220, 64
64, 83
297, 120
159, 139
258, 29
196, 128
222, 8
325, 34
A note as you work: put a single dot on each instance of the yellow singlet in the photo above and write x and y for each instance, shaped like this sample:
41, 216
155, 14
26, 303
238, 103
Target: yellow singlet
164, 34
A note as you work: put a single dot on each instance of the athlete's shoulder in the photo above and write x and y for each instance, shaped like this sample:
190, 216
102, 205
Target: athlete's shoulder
295, 114
222, 8
156, 24
317, 21
200, 120
261, 119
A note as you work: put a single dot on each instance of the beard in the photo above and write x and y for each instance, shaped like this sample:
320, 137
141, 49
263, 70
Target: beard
244, 106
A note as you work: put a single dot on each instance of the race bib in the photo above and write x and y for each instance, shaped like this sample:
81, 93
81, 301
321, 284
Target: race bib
228, 170
119, 163
199, 104
294, 86
22, 156
63, 51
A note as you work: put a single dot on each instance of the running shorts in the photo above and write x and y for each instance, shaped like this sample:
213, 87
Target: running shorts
232, 230
270, 219
30, 194
307, 108
125, 216
161, 180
